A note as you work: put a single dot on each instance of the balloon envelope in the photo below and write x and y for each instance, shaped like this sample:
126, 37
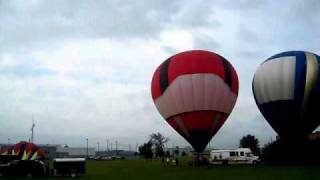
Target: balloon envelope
286, 90
25, 151
195, 92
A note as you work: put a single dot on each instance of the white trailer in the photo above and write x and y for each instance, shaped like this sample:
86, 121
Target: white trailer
237, 156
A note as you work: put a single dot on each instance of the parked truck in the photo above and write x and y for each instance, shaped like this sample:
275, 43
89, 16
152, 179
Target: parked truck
25, 159
237, 156
11, 166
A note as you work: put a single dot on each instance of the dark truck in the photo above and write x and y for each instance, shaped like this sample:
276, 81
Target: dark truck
10, 165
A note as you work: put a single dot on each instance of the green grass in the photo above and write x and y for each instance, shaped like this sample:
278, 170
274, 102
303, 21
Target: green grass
141, 169
153, 170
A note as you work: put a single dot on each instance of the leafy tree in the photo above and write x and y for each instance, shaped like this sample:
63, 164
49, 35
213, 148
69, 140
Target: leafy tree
159, 151
158, 140
183, 153
167, 153
146, 150
250, 141
298, 151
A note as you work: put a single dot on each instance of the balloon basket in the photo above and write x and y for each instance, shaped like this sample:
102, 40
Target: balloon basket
199, 159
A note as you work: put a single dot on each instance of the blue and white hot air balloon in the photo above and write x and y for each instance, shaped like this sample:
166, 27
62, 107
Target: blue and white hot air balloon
286, 89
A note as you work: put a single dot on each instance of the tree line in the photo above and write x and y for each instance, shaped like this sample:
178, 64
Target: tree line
281, 151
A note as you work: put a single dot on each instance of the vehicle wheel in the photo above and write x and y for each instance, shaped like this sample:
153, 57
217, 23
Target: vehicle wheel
73, 175
254, 162
29, 175
225, 162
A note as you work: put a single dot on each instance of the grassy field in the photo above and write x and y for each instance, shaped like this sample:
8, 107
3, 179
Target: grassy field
153, 170
140, 169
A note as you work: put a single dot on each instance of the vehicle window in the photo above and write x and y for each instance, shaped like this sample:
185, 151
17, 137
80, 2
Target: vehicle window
241, 153
232, 153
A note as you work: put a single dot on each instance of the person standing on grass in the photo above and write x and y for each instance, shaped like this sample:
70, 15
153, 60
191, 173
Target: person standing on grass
168, 161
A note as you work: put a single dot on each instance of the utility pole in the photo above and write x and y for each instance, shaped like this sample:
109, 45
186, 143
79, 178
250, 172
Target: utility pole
98, 147
117, 147
8, 141
32, 130
87, 147
107, 144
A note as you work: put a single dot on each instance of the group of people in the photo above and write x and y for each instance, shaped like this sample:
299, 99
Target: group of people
170, 161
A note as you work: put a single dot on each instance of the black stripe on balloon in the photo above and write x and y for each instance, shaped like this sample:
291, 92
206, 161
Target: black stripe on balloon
300, 78
227, 71
164, 81
22, 149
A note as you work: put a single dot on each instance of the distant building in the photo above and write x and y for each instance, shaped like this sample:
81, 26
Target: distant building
177, 151
75, 151
122, 153
49, 149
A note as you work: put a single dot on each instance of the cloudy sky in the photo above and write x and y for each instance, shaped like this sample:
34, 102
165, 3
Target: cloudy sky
83, 68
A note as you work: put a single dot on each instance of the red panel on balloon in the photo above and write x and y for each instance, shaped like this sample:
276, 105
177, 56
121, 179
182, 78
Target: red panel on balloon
195, 62
155, 88
235, 82
198, 120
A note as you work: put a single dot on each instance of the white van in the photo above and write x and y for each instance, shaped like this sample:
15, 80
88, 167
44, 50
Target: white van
237, 156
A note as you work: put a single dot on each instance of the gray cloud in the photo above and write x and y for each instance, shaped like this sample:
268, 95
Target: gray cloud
25, 70
247, 35
43, 21
241, 5
203, 41
84, 68
169, 50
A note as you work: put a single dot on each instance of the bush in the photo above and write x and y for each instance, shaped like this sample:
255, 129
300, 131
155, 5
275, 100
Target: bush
292, 152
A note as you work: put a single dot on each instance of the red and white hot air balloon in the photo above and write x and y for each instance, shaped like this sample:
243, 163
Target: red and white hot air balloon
195, 91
